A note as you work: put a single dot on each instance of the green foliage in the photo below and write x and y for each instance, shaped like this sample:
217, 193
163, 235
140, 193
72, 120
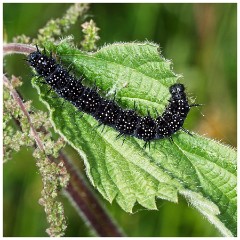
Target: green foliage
90, 31
56, 27
200, 169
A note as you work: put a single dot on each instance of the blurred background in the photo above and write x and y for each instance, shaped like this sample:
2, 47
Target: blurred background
201, 41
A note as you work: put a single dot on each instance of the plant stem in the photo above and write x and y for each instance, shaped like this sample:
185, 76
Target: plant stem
19, 101
17, 48
87, 203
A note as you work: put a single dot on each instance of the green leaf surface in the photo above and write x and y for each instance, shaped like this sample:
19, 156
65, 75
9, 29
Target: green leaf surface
200, 169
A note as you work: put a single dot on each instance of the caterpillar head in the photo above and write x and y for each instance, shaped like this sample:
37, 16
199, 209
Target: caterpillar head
43, 64
177, 91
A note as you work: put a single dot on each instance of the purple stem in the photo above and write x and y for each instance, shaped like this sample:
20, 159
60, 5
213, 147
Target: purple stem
85, 200
17, 48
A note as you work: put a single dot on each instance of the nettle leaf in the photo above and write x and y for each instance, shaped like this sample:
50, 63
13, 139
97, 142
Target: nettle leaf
200, 169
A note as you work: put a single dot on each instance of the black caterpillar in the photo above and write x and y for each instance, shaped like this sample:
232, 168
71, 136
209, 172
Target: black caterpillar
108, 112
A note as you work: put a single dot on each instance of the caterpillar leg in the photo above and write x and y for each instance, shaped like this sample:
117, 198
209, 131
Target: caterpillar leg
156, 111
114, 95
97, 126
49, 90
42, 82
119, 135
134, 106
145, 145
148, 112
37, 48
196, 105
103, 128
186, 131
171, 140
